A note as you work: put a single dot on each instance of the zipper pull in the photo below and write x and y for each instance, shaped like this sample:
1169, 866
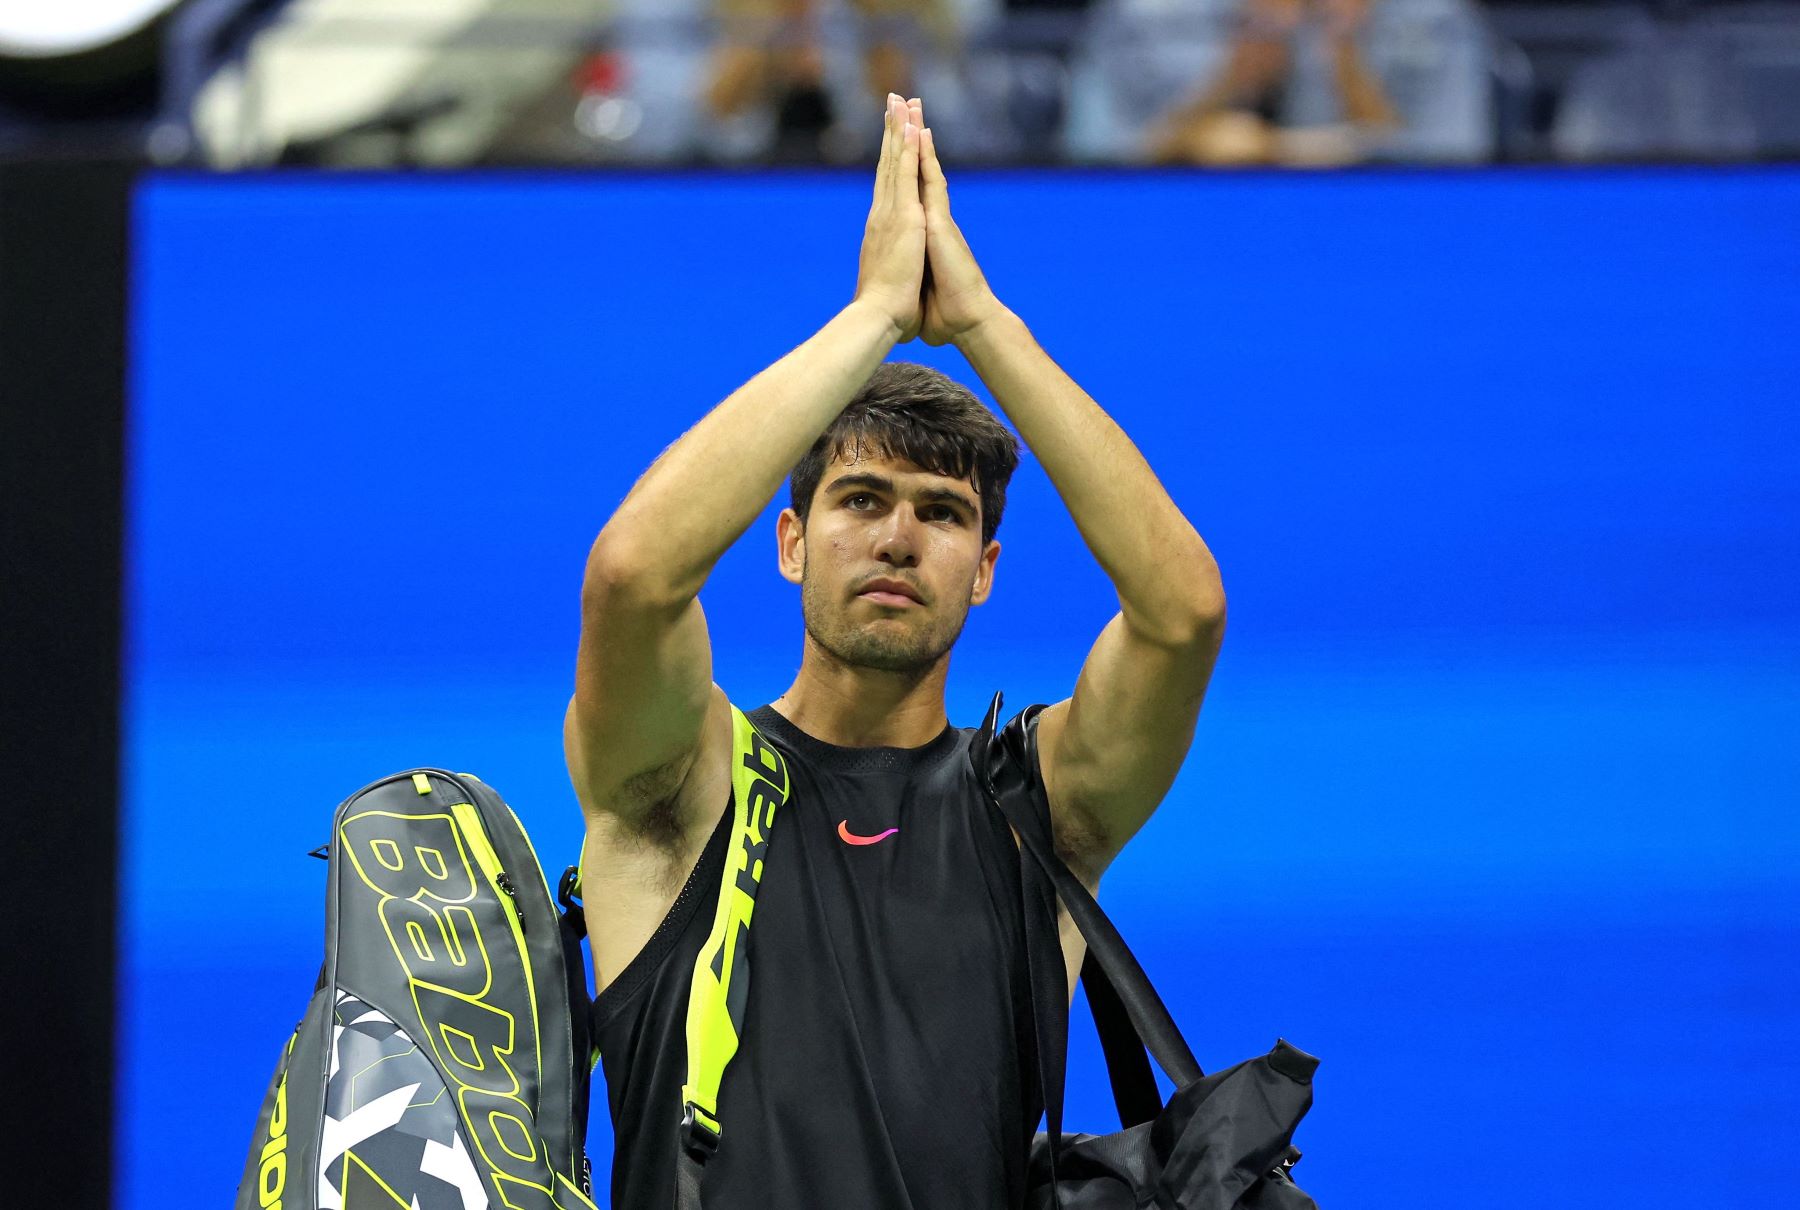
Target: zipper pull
505, 884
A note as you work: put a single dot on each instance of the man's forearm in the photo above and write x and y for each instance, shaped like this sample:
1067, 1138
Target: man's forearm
703, 492
1166, 578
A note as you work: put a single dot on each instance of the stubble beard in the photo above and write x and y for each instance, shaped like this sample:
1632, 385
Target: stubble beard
878, 646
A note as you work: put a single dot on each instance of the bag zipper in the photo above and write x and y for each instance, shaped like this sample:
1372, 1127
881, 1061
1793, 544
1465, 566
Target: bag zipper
468, 815
488, 858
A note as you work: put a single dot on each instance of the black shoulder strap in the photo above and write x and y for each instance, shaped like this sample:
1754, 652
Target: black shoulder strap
1049, 998
1127, 1065
1128, 1014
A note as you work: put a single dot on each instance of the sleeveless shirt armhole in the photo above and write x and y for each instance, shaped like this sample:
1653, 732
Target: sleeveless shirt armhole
700, 887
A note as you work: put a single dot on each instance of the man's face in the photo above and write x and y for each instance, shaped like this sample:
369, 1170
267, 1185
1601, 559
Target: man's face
889, 561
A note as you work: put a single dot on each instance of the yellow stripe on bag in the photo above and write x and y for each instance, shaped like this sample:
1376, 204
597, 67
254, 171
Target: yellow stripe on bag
715, 1014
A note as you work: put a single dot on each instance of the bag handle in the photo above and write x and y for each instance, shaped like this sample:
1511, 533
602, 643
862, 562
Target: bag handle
1128, 1014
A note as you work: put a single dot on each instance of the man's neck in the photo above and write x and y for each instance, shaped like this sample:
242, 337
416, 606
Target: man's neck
853, 707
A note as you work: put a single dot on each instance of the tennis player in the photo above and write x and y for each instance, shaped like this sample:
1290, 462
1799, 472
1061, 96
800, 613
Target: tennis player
887, 1061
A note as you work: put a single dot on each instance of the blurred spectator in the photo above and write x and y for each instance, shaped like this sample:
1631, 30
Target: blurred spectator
1019, 73
771, 55
1242, 116
1283, 81
1676, 93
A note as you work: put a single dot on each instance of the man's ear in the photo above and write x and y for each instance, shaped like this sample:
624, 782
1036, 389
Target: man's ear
790, 538
984, 573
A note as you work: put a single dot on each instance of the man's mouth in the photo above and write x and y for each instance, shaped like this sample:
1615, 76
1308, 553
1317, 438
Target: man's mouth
892, 600
892, 594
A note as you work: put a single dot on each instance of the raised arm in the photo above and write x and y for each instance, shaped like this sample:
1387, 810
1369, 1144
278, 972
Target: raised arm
1109, 752
643, 681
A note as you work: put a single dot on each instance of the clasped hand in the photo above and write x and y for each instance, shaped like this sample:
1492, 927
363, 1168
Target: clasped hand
915, 265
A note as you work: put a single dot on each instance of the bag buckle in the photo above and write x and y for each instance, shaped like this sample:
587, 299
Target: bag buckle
699, 1133
568, 888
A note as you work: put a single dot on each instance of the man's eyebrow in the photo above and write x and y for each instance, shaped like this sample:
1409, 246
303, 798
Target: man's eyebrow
879, 483
935, 494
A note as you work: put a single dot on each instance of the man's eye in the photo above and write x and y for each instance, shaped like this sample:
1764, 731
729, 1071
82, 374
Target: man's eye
851, 500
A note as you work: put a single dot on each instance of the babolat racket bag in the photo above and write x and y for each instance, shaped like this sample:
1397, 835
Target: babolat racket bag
443, 1061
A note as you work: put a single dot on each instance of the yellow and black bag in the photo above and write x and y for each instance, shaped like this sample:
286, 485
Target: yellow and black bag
444, 1060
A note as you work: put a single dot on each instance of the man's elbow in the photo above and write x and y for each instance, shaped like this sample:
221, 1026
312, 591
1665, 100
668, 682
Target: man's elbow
1210, 608
1204, 624
624, 574
1199, 611
1190, 616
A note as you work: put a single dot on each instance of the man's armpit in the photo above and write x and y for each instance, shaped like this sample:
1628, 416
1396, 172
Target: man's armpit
647, 804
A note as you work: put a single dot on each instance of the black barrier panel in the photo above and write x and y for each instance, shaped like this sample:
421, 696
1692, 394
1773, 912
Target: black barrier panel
62, 357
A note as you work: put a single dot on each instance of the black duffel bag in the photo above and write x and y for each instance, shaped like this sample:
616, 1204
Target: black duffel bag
1224, 1141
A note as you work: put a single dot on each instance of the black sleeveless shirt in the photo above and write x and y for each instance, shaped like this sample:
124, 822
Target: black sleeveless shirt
888, 1061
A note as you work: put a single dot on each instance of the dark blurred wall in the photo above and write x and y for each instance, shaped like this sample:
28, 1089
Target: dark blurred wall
62, 317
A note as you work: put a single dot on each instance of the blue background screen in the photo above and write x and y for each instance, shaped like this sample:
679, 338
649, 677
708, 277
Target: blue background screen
1492, 802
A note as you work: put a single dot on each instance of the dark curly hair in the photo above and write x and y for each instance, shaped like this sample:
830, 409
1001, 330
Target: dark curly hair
917, 413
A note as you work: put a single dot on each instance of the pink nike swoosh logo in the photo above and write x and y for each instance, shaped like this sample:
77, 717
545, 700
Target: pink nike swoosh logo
849, 837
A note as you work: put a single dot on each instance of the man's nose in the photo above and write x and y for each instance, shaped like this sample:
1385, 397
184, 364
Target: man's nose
896, 543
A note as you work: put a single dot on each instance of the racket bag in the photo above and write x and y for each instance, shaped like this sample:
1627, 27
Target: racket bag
443, 1061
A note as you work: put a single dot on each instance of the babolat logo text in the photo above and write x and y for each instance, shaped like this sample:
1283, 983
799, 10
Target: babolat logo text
460, 956
766, 792
271, 1175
